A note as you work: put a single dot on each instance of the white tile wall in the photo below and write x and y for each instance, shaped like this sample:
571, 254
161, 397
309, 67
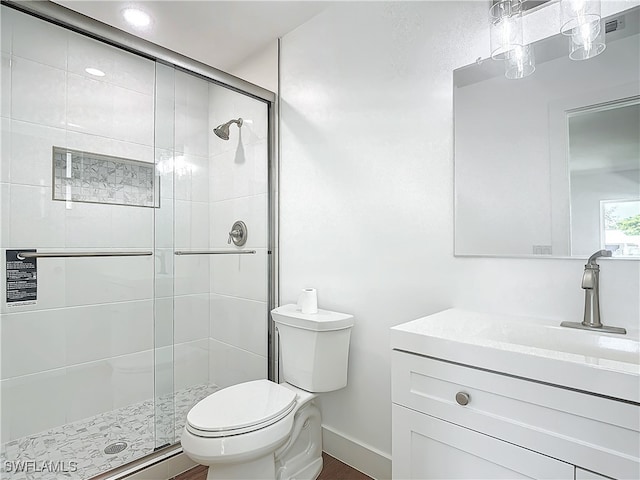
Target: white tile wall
103, 385
131, 378
90, 390
192, 178
163, 367
191, 225
132, 227
88, 225
163, 322
240, 322
108, 279
5, 85
239, 173
52, 286
31, 151
7, 20
109, 146
108, 330
5, 214
33, 403
5, 149
36, 220
251, 210
33, 342
191, 360
124, 70
229, 365
164, 259
108, 110
191, 318
38, 41
38, 93
191, 275
240, 275
191, 114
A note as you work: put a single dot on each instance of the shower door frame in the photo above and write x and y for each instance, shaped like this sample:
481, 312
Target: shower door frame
64, 17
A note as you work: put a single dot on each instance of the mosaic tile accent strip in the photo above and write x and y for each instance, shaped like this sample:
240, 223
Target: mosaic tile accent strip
76, 451
93, 178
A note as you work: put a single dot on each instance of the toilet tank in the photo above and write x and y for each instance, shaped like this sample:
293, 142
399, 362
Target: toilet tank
314, 347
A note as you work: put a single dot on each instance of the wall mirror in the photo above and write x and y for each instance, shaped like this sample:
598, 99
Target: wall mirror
549, 165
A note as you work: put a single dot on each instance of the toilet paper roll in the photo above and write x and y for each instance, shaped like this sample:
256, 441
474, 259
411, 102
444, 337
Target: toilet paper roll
308, 300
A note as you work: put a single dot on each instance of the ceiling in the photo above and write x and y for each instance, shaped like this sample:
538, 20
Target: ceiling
218, 33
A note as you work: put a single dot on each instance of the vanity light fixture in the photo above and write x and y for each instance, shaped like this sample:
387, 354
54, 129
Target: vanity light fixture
505, 24
507, 44
520, 62
582, 21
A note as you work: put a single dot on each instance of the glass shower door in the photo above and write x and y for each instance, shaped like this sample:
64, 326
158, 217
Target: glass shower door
220, 289
78, 202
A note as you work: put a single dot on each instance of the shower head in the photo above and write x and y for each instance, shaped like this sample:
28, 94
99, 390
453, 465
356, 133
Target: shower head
222, 131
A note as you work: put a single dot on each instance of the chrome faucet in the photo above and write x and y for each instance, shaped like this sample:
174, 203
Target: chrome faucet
591, 286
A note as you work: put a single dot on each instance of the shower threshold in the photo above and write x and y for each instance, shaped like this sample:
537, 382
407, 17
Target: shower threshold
76, 450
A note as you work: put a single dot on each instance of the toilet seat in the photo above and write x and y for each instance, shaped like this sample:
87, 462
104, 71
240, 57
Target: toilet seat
241, 408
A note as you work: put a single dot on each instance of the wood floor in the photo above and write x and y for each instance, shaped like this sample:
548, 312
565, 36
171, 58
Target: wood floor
332, 470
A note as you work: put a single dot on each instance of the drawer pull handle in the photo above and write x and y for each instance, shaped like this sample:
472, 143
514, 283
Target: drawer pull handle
462, 398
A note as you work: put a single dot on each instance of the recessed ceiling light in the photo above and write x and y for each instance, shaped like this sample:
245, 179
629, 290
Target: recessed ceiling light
136, 18
94, 71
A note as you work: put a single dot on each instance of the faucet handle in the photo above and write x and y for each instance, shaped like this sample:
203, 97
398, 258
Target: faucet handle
598, 254
588, 279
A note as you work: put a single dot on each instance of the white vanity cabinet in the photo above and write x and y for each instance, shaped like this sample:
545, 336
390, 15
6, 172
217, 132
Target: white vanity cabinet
457, 417
426, 447
456, 421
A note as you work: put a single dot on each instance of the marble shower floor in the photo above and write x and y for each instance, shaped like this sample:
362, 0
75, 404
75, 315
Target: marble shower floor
76, 450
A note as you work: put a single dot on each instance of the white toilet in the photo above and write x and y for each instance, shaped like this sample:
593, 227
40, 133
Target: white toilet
265, 430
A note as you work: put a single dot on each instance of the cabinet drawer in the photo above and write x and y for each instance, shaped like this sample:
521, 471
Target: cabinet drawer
596, 433
426, 447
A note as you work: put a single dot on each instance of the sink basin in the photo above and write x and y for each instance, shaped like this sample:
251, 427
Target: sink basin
538, 349
592, 345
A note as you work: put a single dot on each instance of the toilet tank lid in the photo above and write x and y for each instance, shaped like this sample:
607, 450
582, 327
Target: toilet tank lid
324, 320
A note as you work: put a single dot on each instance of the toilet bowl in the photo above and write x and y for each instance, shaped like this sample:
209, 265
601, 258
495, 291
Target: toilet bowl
264, 430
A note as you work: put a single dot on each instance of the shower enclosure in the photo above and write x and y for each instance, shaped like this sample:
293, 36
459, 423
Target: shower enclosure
124, 298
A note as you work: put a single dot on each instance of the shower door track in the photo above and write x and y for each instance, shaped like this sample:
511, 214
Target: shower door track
131, 468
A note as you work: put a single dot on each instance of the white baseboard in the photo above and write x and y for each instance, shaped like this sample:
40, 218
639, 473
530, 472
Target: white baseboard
356, 454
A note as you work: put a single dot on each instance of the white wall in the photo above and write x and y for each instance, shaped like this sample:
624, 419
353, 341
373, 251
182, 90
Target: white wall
260, 68
367, 189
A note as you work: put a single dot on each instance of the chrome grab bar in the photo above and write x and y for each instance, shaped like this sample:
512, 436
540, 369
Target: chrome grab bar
215, 252
25, 255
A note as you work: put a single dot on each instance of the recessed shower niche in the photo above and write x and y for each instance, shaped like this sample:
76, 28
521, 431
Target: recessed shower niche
93, 178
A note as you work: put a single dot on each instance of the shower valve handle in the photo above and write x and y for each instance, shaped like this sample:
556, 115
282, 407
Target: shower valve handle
238, 234
234, 234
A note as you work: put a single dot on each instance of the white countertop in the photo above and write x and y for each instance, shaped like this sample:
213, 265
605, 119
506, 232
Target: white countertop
534, 348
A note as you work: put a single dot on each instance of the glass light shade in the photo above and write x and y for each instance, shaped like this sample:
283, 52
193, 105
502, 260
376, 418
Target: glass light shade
588, 41
520, 62
576, 13
505, 19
